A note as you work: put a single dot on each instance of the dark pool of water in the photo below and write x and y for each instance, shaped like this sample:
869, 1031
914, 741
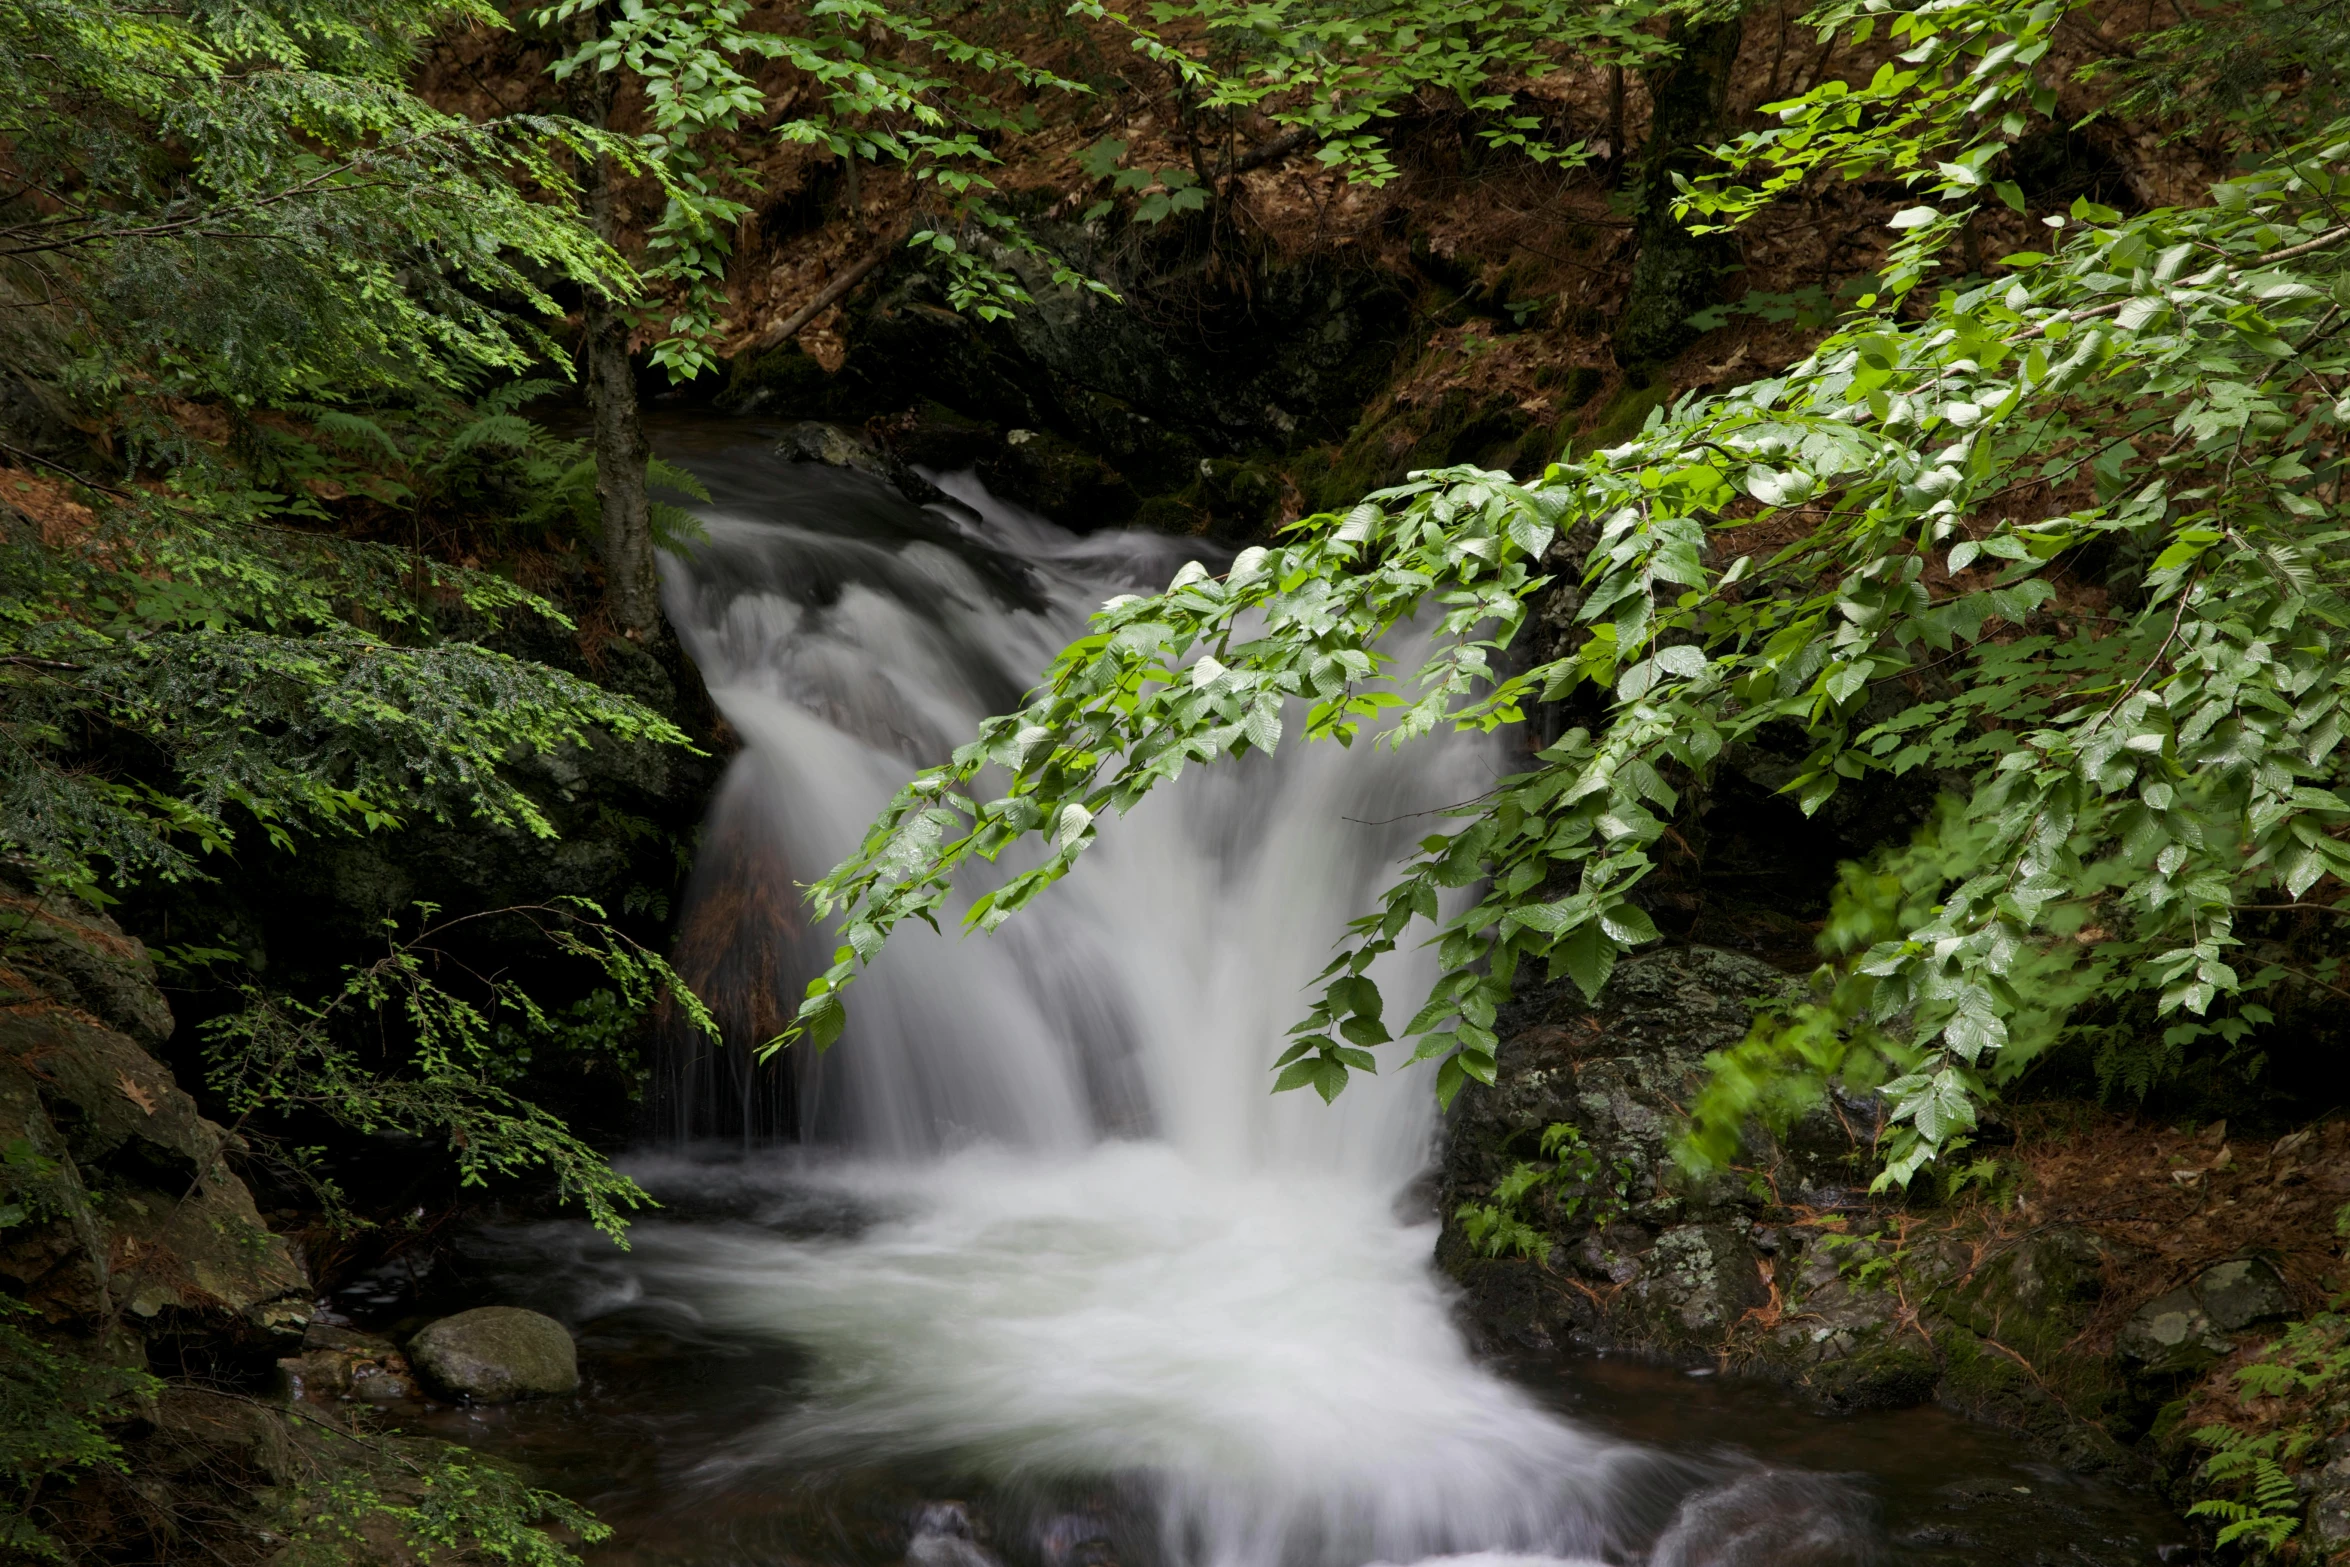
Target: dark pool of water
650, 1443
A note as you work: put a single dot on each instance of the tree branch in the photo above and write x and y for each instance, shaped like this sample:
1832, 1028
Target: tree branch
790, 325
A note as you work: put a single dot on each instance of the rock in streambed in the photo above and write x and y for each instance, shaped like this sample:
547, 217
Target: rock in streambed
495, 1354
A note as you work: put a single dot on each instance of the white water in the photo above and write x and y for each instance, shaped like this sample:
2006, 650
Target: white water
1094, 1244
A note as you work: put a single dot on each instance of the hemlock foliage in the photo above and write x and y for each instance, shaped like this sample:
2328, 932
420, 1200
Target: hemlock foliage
2133, 773
268, 317
278, 1055
241, 216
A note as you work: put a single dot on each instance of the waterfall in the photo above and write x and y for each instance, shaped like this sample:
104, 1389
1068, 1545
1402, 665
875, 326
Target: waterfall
1085, 1245
848, 636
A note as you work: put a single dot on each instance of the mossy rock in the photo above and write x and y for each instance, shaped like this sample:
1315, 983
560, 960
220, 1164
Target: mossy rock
1620, 418
1985, 1382
1884, 1376
1577, 384
2034, 1296
1167, 514
2195, 1325
1695, 1284
494, 1354
782, 380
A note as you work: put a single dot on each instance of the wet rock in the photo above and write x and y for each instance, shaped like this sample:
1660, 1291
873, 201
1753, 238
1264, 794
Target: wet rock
1671, 1259
1883, 1376
339, 1362
1699, 1279
2194, 1325
1077, 1540
1768, 1518
495, 1354
836, 447
944, 1536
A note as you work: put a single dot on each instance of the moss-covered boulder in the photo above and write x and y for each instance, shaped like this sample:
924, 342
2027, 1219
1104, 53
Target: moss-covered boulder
495, 1354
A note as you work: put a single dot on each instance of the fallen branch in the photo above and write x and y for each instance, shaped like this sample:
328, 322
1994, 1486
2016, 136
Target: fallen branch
1272, 150
784, 330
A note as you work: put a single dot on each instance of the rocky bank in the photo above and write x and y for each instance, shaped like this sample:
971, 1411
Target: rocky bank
2037, 1303
154, 1314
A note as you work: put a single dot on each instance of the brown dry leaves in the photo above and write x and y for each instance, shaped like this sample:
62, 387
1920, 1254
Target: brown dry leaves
2173, 1203
48, 504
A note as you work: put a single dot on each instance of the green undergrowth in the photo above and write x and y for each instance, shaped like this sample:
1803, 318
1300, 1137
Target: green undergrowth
1571, 1183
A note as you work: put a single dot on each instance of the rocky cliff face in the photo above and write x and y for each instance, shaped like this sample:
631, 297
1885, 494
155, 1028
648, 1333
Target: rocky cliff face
131, 1225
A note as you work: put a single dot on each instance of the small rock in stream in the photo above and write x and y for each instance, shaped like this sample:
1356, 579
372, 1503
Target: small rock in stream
340, 1362
1770, 1518
944, 1537
494, 1354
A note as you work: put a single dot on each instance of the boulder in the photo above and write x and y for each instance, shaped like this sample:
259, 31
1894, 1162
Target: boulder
2329, 1508
69, 955
132, 1191
495, 1354
2194, 1325
1670, 1266
1699, 1279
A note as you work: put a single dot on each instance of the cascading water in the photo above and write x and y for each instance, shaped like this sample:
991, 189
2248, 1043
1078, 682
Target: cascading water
1032, 1269
1100, 1245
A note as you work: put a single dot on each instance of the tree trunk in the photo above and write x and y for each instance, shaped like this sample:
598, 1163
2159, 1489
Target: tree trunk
632, 595
1678, 273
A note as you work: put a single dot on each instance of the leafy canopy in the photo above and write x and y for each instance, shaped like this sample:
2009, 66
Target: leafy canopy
1332, 73
247, 202
2132, 778
240, 213
889, 86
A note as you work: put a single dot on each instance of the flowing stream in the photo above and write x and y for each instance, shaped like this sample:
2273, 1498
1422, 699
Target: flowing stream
1031, 1267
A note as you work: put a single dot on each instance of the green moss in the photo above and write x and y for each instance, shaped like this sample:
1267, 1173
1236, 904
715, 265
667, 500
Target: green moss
1582, 384
1885, 1376
2034, 1297
1982, 1381
1619, 420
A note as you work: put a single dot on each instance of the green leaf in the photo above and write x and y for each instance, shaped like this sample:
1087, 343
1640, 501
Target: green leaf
1628, 925
1590, 958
